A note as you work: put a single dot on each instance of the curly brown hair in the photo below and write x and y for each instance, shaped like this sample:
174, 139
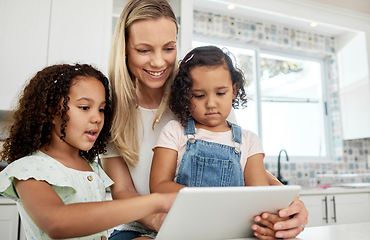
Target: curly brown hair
198, 57
40, 101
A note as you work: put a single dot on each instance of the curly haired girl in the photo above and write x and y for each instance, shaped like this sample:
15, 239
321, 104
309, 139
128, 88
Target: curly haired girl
45, 97
61, 124
203, 149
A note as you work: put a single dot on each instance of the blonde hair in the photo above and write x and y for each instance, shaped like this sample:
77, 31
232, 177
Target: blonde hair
125, 103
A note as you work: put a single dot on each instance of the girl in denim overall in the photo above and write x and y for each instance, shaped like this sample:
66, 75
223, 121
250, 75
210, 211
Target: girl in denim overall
203, 149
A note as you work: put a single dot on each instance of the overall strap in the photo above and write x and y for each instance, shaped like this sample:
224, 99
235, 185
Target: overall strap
237, 135
190, 130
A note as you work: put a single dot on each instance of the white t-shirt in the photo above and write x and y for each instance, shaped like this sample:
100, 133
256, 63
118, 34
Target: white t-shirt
173, 137
147, 139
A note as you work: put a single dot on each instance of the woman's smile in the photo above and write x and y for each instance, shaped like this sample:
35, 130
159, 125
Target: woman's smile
156, 74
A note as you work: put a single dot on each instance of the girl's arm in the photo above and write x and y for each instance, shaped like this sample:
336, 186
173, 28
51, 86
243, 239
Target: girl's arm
255, 172
272, 179
58, 220
163, 171
117, 170
123, 188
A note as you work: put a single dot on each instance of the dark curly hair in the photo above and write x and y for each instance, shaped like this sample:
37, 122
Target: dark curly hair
40, 101
198, 57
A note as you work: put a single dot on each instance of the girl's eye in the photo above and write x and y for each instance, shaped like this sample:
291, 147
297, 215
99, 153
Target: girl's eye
102, 110
221, 93
198, 96
84, 108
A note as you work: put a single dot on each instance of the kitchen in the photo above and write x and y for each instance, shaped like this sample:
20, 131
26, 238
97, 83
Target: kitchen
348, 144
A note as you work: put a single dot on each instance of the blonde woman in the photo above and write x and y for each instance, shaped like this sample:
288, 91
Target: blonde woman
142, 68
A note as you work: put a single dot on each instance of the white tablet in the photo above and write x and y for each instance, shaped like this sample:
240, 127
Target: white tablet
212, 213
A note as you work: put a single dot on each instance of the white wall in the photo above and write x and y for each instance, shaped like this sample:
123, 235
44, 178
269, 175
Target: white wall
362, 6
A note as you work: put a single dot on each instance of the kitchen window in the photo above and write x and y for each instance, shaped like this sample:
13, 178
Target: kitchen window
287, 105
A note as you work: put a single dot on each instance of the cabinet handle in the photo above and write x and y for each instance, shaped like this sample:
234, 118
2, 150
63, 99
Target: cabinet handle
19, 226
325, 200
335, 212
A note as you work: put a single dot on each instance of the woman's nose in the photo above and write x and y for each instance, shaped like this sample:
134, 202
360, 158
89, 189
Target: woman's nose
157, 60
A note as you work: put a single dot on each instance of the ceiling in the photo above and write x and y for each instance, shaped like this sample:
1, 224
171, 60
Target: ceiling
242, 9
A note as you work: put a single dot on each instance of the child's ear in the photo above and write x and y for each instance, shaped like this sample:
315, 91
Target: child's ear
56, 116
235, 90
54, 121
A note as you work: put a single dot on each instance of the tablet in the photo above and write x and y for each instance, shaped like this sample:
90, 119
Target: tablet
212, 213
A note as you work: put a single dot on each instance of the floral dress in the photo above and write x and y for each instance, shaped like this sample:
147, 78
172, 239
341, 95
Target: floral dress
71, 185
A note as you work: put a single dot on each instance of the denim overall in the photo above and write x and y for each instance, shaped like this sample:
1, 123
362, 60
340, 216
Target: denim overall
208, 164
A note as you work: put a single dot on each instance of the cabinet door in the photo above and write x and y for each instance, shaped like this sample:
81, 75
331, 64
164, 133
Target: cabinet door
317, 209
354, 83
337, 208
350, 208
24, 27
80, 32
9, 221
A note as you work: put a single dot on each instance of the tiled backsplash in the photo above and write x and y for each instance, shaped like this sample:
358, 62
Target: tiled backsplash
3, 134
5, 117
3, 129
349, 156
352, 167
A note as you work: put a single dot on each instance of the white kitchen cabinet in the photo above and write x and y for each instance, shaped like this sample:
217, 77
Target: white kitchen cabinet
354, 85
38, 33
9, 220
80, 31
328, 209
24, 30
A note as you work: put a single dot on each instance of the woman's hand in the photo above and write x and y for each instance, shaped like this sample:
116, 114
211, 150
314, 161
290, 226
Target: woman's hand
288, 224
295, 225
265, 227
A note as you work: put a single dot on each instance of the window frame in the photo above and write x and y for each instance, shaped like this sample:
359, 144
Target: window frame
257, 78
324, 96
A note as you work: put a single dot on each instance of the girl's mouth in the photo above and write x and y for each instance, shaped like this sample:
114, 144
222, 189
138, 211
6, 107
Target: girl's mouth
92, 135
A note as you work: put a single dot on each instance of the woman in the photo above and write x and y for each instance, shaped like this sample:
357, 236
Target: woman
142, 68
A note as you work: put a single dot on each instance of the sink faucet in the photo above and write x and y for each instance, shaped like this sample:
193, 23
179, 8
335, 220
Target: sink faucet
279, 167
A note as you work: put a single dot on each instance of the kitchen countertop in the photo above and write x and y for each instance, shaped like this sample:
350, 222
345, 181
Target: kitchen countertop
356, 231
334, 190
